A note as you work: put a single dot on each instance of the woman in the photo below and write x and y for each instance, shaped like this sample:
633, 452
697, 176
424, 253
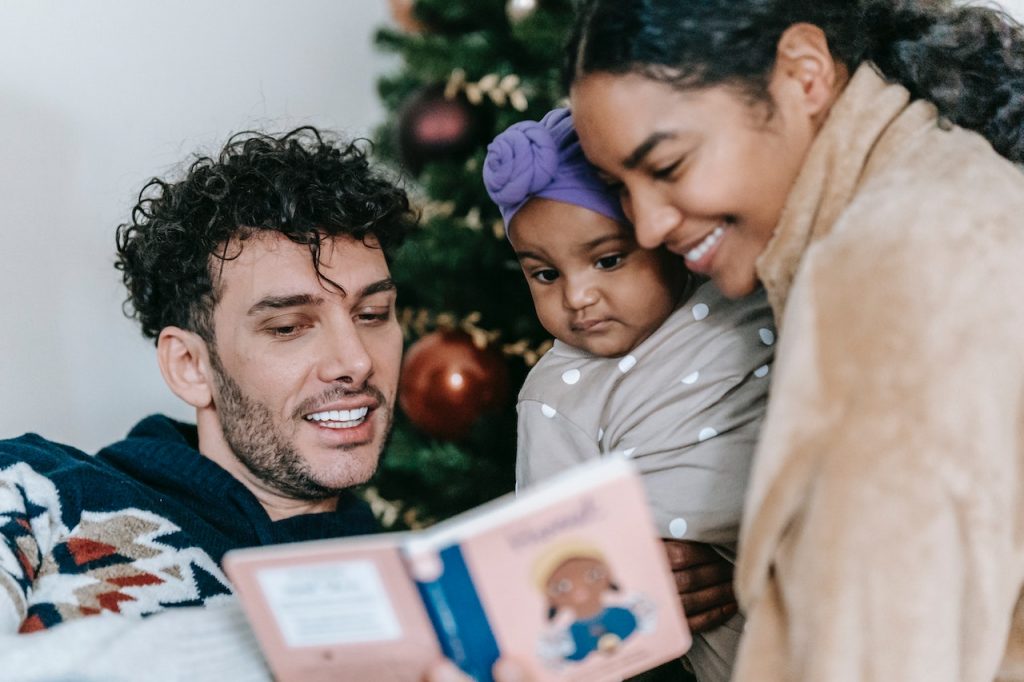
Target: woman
823, 149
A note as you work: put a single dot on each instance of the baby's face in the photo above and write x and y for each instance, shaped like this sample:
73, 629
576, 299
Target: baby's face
593, 287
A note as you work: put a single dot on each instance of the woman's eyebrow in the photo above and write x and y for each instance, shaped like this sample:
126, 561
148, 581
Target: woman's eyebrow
646, 147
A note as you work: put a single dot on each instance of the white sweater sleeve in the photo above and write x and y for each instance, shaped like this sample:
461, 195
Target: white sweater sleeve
197, 644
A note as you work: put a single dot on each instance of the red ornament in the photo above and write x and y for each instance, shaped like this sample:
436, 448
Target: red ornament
403, 14
432, 127
447, 383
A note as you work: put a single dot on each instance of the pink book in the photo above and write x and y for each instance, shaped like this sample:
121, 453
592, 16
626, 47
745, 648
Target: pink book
569, 578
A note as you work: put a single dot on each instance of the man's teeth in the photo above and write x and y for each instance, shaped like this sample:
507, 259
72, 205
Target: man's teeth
701, 250
339, 419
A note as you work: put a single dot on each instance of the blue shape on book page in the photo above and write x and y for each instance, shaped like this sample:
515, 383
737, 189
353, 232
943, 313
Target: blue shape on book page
459, 618
342, 602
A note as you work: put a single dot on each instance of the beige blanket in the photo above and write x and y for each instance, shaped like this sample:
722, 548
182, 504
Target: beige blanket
883, 536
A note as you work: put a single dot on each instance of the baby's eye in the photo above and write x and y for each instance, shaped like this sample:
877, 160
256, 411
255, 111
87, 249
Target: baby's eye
609, 262
545, 276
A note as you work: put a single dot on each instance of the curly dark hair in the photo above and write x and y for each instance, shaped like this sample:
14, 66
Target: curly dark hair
303, 184
967, 60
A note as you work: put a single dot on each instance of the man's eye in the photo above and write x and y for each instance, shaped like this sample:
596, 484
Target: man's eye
609, 262
284, 332
375, 317
545, 276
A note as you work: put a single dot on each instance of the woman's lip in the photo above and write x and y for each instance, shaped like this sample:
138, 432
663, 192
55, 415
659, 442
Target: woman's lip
681, 248
702, 266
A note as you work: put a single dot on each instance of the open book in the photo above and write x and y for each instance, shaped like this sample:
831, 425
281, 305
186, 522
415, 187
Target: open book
568, 578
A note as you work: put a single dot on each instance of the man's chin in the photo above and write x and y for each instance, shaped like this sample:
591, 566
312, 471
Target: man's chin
338, 468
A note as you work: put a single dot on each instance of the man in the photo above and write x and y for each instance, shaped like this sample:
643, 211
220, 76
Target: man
263, 278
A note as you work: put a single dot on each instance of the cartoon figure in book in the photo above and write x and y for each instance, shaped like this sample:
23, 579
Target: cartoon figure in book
587, 611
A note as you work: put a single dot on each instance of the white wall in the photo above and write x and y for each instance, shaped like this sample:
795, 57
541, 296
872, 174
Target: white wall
96, 96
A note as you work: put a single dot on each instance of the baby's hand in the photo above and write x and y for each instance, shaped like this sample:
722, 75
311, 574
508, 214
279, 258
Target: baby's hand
704, 581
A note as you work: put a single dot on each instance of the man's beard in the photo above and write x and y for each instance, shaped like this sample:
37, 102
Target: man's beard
249, 429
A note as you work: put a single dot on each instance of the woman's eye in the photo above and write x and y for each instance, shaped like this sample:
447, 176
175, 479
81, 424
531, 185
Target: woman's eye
665, 172
609, 262
545, 276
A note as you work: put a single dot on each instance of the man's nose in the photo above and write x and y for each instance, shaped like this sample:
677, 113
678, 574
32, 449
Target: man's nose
344, 357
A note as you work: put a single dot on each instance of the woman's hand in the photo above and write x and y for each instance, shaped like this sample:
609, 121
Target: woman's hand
504, 671
704, 581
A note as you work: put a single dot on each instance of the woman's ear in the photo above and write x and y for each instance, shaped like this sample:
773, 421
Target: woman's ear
183, 357
805, 70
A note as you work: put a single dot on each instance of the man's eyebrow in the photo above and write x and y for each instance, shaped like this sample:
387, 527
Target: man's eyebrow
377, 287
279, 302
645, 148
298, 300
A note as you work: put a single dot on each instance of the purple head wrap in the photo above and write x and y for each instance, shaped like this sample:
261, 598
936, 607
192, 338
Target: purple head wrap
544, 159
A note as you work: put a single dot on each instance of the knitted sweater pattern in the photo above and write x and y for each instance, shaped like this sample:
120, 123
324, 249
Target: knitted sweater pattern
137, 528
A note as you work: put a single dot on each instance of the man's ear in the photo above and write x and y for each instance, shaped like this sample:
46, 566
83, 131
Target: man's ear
185, 365
804, 67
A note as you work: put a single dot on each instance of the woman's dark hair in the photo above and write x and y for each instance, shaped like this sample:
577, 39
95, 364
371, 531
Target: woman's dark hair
302, 185
968, 61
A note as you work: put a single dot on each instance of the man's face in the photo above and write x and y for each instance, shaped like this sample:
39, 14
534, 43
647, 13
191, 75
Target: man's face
305, 374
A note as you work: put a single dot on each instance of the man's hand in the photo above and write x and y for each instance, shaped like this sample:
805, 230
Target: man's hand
704, 582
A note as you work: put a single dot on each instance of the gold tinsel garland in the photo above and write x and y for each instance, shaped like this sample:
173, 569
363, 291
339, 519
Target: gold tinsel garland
419, 322
501, 90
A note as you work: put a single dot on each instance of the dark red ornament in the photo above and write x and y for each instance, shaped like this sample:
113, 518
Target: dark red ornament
448, 383
432, 127
404, 15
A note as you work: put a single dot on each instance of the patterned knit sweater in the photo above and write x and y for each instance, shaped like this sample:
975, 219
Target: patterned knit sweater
140, 527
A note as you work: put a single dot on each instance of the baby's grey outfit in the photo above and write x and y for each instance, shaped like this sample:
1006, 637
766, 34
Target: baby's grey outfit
686, 405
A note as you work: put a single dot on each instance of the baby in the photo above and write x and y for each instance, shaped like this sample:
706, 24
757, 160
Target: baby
648, 361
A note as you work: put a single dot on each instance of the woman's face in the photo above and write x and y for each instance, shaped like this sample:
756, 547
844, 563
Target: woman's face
704, 172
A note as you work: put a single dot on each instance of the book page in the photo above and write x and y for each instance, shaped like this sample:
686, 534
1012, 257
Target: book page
341, 602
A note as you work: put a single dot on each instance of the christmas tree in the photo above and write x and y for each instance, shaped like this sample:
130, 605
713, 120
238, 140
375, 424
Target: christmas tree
470, 69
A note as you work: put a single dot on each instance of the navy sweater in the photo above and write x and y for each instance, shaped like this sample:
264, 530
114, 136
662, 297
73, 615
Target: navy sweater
137, 528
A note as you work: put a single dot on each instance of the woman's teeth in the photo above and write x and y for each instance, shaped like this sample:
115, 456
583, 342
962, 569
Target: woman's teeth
701, 250
339, 419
